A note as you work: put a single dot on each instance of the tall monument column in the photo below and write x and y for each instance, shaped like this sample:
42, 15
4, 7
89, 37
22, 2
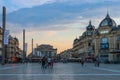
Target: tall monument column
32, 48
24, 52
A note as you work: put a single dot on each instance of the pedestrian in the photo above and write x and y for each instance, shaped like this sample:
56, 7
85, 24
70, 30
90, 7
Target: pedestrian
43, 62
49, 62
52, 63
46, 62
82, 62
97, 61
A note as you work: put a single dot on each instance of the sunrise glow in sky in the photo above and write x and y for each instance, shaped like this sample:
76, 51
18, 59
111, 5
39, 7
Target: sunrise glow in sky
55, 22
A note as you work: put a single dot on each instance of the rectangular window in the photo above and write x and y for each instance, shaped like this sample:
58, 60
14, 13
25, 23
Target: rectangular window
118, 38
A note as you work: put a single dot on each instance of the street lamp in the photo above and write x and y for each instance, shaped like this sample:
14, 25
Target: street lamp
3, 26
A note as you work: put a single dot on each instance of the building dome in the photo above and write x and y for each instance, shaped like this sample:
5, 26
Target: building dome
107, 21
90, 26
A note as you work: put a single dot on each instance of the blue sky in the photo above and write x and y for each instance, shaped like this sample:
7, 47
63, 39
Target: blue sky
56, 22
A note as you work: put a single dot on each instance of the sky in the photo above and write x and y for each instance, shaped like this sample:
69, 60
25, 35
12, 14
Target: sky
55, 22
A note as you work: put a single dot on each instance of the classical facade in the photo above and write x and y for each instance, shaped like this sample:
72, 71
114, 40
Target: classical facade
103, 41
45, 50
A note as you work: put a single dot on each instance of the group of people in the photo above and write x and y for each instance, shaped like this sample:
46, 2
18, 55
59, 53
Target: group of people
47, 62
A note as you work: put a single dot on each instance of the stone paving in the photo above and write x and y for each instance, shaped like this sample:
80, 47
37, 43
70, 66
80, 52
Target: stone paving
61, 71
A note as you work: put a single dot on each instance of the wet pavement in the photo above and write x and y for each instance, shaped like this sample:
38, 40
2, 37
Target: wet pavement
60, 71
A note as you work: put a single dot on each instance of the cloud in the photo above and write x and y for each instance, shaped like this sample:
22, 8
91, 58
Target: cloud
60, 18
64, 20
30, 3
13, 5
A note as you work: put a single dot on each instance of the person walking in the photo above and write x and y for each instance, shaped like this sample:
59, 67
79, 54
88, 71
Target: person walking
82, 62
43, 62
97, 61
52, 63
49, 62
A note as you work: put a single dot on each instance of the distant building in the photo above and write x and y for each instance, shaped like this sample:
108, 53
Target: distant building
45, 50
12, 49
41, 51
103, 41
66, 54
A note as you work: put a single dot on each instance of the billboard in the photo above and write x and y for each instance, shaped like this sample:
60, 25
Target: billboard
6, 37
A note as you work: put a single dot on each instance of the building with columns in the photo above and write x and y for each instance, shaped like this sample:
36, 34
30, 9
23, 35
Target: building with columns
103, 41
46, 50
43, 50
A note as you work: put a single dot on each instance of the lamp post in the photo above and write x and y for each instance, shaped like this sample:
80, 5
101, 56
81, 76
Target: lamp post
3, 26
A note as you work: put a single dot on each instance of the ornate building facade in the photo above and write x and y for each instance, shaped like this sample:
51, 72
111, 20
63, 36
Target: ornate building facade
45, 50
103, 41
83, 46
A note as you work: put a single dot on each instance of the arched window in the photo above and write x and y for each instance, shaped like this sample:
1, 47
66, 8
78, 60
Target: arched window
104, 43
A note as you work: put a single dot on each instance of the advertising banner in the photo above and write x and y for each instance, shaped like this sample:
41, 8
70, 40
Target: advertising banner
6, 37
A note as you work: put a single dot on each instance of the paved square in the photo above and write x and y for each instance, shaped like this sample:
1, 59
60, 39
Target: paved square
61, 71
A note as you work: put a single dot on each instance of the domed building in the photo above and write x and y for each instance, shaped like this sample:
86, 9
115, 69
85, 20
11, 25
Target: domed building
107, 22
103, 41
107, 42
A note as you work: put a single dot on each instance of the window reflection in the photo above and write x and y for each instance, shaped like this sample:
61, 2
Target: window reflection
104, 23
104, 44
